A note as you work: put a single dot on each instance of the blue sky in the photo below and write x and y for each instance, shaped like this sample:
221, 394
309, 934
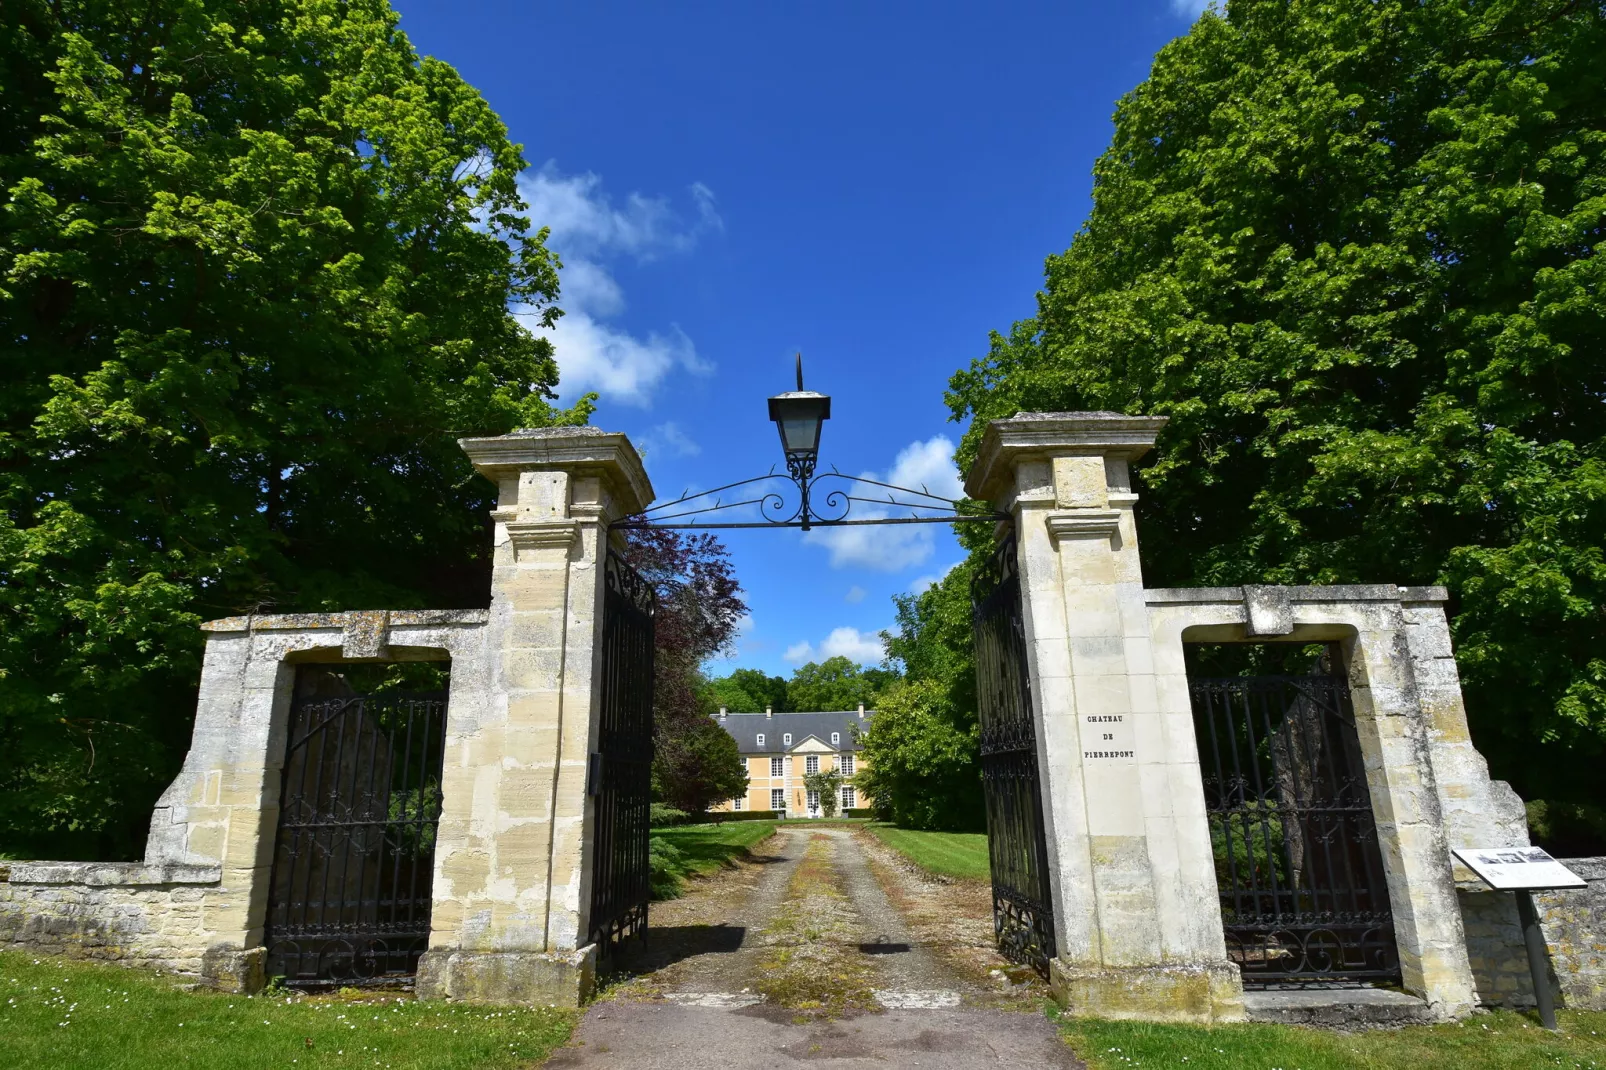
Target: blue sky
872, 184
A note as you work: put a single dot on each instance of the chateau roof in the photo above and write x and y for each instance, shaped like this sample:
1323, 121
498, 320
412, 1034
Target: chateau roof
746, 728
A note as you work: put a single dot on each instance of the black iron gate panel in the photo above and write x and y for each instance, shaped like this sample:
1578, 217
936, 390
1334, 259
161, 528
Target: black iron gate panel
354, 856
620, 773
1303, 894
1023, 911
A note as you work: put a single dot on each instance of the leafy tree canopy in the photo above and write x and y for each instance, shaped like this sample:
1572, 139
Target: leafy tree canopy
256, 265
1352, 251
747, 691
835, 684
695, 761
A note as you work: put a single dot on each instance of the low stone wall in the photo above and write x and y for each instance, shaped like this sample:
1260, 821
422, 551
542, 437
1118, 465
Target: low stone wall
141, 915
1574, 924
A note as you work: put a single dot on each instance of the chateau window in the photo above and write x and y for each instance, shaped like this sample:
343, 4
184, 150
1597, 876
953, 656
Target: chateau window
777, 767
777, 799
787, 739
850, 798
761, 739
737, 804
836, 739
846, 763
814, 800
811, 764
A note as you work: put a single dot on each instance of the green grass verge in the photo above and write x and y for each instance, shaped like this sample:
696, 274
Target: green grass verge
1500, 1041
688, 850
57, 1014
952, 854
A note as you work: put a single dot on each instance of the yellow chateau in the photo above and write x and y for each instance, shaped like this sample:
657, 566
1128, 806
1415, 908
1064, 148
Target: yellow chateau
780, 749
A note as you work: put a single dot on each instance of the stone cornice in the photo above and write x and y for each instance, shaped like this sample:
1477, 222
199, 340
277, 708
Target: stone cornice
574, 449
1048, 434
542, 534
296, 622
1084, 524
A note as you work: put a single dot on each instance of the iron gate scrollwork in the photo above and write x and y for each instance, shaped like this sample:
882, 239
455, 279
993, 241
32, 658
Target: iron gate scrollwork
1303, 893
354, 855
1023, 914
620, 773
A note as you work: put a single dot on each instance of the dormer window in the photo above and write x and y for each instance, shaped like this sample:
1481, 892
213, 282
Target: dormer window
787, 739
836, 739
761, 739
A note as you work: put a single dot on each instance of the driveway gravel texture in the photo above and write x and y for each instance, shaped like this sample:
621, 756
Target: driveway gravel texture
826, 946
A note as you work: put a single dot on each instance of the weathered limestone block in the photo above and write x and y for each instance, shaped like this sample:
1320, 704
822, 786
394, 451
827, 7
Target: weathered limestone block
513, 849
1131, 871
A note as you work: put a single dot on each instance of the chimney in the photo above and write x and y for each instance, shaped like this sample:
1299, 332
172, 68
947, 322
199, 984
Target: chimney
861, 711
769, 711
722, 712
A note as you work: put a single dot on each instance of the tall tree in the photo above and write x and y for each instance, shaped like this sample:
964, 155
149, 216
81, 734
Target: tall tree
836, 683
748, 691
1352, 250
257, 261
699, 606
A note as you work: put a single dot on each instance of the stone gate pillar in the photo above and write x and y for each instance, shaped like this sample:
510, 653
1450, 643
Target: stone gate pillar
1138, 922
512, 861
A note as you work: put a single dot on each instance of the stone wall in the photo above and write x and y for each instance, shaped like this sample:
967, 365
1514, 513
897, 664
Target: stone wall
1574, 923
148, 916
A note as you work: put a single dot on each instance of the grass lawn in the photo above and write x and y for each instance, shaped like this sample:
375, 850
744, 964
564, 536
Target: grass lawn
952, 854
1500, 1041
57, 1014
688, 850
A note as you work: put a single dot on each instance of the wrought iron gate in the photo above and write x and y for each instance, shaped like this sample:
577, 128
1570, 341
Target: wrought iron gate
1303, 895
1023, 913
619, 778
354, 857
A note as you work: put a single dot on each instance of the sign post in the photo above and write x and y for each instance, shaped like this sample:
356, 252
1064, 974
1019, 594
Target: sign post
1523, 871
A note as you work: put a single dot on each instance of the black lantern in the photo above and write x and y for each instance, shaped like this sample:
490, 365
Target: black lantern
798, 415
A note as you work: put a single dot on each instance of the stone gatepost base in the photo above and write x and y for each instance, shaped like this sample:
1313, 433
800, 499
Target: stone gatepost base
564, 979
232, 970
1199, 994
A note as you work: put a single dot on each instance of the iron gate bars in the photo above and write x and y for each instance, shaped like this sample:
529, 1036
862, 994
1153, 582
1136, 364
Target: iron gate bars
619, 777
1023, 912
1303, 894
354, 856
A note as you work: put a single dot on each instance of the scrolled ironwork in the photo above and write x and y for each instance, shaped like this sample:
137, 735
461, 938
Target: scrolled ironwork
619, 779
1023, 912
1303, 893
799, 498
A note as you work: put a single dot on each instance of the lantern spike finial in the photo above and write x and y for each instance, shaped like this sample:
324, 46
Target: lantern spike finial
800, 372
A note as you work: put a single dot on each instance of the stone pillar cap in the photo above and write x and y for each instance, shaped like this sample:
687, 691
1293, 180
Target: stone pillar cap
1050, 434
569, 448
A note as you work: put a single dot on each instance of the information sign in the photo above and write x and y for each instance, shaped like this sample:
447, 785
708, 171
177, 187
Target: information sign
1518, 868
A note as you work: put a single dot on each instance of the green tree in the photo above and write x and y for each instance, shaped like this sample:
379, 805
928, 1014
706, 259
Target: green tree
257, 261
698, 765
835, 684
827, 787
1352, 251
747, 691
922, 760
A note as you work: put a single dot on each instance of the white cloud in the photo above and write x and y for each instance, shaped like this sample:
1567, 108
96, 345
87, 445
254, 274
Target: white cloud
855, 595
925, 465
668, 438
587, 228
1190, 8
866, 648
585, 222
